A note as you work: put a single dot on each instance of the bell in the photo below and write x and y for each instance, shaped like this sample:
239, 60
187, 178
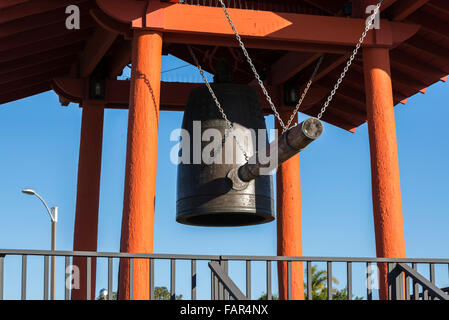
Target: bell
205, 195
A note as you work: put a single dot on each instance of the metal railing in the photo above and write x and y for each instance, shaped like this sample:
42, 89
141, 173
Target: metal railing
399, 288
222, 287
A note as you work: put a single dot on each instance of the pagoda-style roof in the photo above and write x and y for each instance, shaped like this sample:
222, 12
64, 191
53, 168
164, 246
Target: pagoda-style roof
36, 48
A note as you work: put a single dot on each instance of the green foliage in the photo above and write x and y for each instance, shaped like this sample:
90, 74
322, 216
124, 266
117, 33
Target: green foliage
162, 293
264, 296
319, 288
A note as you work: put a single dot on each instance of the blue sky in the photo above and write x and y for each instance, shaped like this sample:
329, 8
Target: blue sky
39, 143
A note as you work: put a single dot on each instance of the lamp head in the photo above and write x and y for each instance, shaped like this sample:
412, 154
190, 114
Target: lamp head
29, 191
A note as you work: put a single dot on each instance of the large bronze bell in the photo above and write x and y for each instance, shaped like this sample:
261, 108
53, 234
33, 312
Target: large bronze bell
205, 195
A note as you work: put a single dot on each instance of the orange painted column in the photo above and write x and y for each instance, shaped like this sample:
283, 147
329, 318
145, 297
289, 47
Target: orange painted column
386, 191
88, 194
288, 217
141, 157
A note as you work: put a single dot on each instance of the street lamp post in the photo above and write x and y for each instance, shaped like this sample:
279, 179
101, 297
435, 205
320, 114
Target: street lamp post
53, 213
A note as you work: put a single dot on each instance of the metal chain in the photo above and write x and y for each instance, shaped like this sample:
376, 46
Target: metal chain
298, 105
339, 81
229, 124
349, 62
256, 74
285, 127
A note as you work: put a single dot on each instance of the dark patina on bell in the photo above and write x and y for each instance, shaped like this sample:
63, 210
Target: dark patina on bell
205, 196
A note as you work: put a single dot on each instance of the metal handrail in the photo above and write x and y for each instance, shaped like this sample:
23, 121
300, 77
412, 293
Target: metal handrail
228, 284
222, 286
396, 280
216, 257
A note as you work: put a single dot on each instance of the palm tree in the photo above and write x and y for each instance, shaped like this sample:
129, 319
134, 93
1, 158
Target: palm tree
319, 284
319, 287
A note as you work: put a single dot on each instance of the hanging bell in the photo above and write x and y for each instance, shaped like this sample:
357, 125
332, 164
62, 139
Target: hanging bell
205, 195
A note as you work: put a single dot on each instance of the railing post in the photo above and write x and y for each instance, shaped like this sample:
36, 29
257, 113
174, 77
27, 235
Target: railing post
400, 286
216, 288
88, 278
225, 268
24, 277
2, 262
407, 287
212, 285
151, 279
248, 279
269, 293
432, 272
66, 285
45, 277
172, 279
220, 286
329, 280
193, 277
391, 282
349, 279
309, 280
415, 284
131, 279
369, 291
110, 292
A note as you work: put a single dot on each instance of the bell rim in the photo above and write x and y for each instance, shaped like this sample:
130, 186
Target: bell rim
256, 217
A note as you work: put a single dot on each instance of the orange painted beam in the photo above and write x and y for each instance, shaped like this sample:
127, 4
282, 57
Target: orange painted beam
141, 158
262, 27
255, 43
386, 190
88, 195
174, 95
268, 25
